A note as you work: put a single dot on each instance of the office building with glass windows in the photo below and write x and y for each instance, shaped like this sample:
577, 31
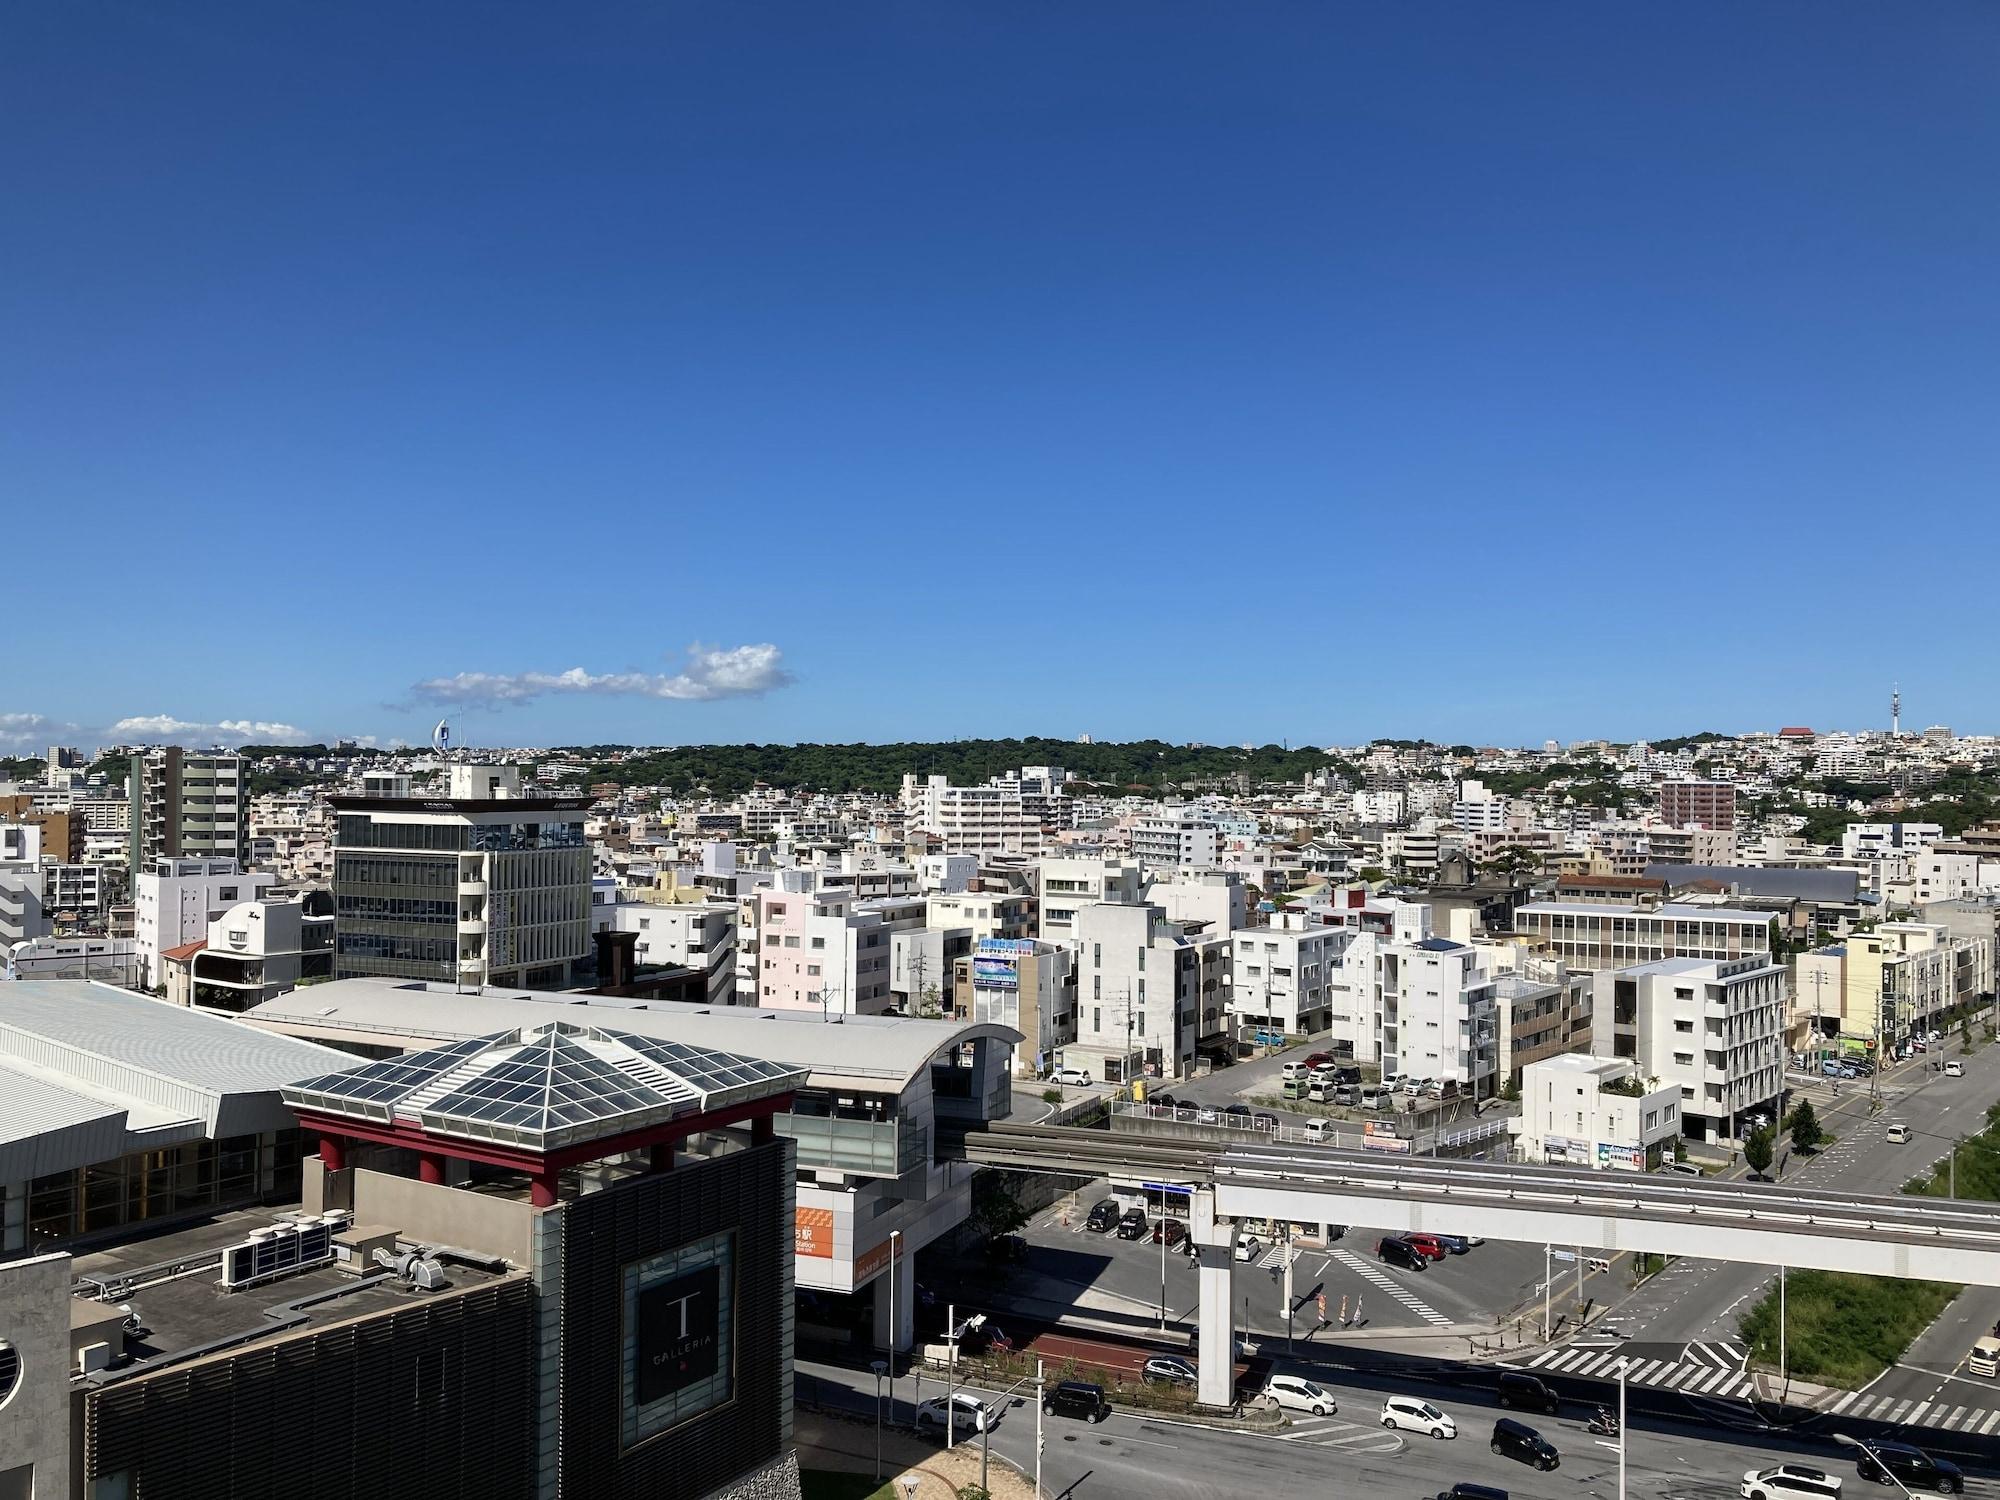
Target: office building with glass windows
492, 888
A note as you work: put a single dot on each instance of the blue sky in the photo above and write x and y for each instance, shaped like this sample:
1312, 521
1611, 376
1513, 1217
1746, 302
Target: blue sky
1223, 372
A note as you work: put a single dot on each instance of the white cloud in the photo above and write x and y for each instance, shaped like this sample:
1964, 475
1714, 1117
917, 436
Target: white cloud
166, 729
711, 672
32, 731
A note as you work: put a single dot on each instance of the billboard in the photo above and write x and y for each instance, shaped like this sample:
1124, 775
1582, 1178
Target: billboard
1380, 1135
996, 962
680, 1335
812, 1233
1627, 1158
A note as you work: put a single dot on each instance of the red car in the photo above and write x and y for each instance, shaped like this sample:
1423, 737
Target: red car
1429, 1245
1170, 1230
1317, 1058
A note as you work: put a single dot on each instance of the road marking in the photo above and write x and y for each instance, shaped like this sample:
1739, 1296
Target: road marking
1922, 1407
1897, 1414
1647, 1371
1987, 1426
1842, 1404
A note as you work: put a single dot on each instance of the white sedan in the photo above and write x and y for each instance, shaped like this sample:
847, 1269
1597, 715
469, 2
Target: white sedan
1247, 1247
972, 1413
1417, 1416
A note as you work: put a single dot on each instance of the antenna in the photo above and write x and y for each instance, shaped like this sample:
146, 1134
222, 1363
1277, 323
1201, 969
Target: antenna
1895, 711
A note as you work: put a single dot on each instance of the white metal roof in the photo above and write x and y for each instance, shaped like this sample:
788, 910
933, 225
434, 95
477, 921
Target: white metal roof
880, 1052
167, 1071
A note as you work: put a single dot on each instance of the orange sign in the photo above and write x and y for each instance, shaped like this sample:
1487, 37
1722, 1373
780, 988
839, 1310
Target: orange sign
867, 1265
812, 1232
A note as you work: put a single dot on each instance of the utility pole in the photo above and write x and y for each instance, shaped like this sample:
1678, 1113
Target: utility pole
1040, 1384
1783, 1367
1548, 1285
950, 1374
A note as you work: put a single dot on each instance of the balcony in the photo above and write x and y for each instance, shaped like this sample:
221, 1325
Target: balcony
472, 885
866, 1148
472, 922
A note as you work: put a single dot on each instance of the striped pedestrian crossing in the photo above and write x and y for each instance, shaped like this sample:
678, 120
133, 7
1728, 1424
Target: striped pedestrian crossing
1381, 1279
1700, 1372
1332, 1432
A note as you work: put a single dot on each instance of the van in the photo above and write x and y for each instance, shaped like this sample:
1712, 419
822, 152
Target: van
1898, 1133
1346, 1093
1372, 1098
1520, 1442
1318, 1129
1400, 1252
1528, 1393
1320, 1091
1076, 1398
1984, 1358
1684, 1168
1294, 1070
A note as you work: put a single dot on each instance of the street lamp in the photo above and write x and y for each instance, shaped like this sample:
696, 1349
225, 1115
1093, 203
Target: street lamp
1847, 1441
895, 1244
878, 1367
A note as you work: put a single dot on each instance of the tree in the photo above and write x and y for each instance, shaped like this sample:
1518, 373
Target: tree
1757, 1147
1965, 1031
1806, 1130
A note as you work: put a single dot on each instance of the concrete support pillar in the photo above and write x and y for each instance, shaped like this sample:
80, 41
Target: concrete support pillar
1215, 1250
660, 1157
333, 1152
542, 1189
763, 1130
903, 1274
430, 1168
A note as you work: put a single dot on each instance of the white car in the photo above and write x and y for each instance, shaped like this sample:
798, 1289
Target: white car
1954, 1069
1299, 1394
1318, 1129
1078, 1078
1247, 1247
972, 1413
1418, 1416
1790, 1482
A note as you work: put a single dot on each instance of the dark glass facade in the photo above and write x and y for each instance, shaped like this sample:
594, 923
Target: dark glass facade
193, 1177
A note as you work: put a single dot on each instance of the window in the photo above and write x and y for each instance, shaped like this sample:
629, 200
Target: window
1685, 1028
818, 942
813, 970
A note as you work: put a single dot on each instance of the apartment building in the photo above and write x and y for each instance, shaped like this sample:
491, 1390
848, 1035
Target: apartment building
1280, 979
256, 951
989, 914
1023, 984
1175, 841
483, 886
1543, 1011
187, 805
1146, 993
697, 935
1593, 935
175, 901
1898, 980
1007, 815
1711, 1028
76, 896
23, 915
1070, 883
826, 950
1700, 804
1441, 1008
1215, 900
1872, 840
1583, 1111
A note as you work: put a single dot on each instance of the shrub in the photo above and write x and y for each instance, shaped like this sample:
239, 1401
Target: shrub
1841, 1329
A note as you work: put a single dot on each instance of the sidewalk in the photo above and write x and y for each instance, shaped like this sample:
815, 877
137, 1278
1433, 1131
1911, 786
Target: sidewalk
829, 1441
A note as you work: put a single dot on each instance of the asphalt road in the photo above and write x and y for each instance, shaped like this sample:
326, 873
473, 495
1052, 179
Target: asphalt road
1350, 1453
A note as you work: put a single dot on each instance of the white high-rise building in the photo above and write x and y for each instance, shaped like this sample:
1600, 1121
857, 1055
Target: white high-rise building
1712, 1028
1070, 884
1146, 993
22, 913
175, 901
1175, 841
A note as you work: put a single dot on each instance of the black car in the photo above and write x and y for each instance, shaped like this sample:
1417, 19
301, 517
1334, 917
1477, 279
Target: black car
1237, 1109
1074, 1398
1464, 1491
1133, 1224
1520, 1442
1103, 1216
1402, 1253
1529, 1394
1911, 1466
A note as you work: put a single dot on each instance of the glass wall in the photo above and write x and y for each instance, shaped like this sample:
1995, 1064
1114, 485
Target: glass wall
184, 1179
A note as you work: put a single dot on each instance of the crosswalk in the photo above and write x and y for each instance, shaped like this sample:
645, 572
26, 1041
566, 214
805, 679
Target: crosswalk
1712, 1369
1943, 1415
1333, 1432
1375, 1276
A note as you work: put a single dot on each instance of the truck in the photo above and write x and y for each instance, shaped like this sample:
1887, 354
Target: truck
1985, 1357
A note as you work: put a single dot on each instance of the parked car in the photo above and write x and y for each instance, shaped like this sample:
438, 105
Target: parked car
1165, 1101
1294, 1070
967, 1413
1912, 1467
1237, 1109
1247, 1247
1862, 1067
1103, 1216
1268, 1122
1007, 1247
1954, 1069
1790, 1482
1299, 1394
1834, 1068
1402, 1253
1464, 1491
1194, 1343
1318, 1128
1418, 1416
1168, 1231
1077, 1398
979, 1335
1073, 1077
1528, 1393
1168, 1369
1684, 1168
1132, 1224
1428, 1245
1520, 1442
1413, 1085
1346, 1093
1314, 1059
1376, 1099
1457, 1244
